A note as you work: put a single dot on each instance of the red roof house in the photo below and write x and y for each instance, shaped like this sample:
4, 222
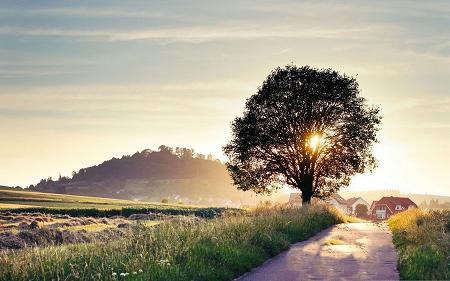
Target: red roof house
388, 206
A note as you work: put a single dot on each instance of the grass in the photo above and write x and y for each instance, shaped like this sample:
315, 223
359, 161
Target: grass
422, 242
19, 201
96, 227
43, 199
335, 241
13, 206
150, 223
90, 227
217, 249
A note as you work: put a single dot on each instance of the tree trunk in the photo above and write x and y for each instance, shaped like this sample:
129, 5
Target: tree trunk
307, 190
306, 197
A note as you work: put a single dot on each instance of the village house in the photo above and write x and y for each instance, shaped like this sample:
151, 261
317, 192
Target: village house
388, 206
339, 203
346, 206
353, 202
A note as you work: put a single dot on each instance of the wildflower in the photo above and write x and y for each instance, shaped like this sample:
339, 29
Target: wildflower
140, 270
114, 274
134, 272
122, 274
164, 262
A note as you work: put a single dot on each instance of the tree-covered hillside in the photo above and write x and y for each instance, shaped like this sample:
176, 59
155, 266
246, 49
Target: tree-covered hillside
176, 174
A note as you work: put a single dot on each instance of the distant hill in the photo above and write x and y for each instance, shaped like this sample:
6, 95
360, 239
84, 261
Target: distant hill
173, 174
4, 187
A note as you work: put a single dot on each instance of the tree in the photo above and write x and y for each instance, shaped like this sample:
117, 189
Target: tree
187, 153
306, 128
165, 149
200, 156
434, 204
361, 210
423, 205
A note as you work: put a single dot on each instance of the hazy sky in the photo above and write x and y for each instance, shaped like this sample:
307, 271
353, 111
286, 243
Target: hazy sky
83, 81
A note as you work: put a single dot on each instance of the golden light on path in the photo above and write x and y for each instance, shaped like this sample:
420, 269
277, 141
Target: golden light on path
314, 142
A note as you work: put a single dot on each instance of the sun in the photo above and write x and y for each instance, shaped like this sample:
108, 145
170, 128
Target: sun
314, 142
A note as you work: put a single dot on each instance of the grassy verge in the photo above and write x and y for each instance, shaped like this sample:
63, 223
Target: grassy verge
422, 242
218, 249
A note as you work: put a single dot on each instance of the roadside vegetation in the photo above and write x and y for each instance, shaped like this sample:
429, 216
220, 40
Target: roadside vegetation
422, 242
217, 249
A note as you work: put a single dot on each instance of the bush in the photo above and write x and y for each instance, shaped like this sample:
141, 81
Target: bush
422, 242
218, 249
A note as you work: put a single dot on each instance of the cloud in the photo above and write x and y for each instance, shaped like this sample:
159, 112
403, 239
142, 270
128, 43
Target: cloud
85, 12
199, 33
16, 73
190, 98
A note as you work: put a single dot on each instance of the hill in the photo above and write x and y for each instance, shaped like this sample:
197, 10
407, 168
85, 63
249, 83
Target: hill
172, 174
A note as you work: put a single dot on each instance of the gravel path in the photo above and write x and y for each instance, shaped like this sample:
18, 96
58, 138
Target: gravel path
351, 251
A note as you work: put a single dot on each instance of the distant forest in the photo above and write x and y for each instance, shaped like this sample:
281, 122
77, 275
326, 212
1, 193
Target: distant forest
168, 173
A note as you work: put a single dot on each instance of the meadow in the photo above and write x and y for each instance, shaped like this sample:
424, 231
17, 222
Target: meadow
19, 201
422, 242
221, 248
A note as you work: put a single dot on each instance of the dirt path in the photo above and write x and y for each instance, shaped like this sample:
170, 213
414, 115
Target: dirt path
358, 251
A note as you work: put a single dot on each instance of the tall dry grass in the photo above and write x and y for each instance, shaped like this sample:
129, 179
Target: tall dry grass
218, 249
422, 242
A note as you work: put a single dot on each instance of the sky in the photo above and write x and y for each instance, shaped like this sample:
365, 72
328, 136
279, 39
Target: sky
85, 81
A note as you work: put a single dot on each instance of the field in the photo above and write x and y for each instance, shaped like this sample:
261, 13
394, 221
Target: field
191, 249
11, 197
18, 201
423, 244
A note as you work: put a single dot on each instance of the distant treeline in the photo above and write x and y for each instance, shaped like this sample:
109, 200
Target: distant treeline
207, 213
10, 187
435, 205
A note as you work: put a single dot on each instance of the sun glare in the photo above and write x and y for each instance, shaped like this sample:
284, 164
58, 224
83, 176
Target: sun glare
314, 142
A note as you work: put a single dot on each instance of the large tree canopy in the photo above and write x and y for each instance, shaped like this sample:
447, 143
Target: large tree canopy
307, 128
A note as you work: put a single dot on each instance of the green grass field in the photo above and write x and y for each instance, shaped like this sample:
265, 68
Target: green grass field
26, 201
422, 242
